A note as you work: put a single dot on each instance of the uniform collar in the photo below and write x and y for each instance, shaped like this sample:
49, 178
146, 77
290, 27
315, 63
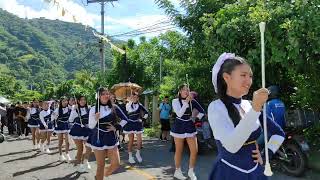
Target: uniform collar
233, 100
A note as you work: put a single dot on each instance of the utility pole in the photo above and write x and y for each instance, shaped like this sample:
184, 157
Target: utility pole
102, 2
160, 68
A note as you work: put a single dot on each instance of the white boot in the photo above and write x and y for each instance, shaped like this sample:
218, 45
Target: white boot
68, 157
138, 156
42, 148
131, 159
178, 174
35, 147
62, 158
48, 150
86, 162
191, 174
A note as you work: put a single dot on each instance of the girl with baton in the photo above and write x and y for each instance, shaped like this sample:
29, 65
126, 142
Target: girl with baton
102, 139
184, 129
235, 122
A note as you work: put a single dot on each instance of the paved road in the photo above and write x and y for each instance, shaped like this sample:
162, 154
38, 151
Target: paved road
19, 162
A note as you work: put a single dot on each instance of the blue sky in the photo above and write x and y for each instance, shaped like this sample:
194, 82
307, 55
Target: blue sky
124, 16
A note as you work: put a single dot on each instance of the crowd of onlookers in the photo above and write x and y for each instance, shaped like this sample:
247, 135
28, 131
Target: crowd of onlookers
14, 116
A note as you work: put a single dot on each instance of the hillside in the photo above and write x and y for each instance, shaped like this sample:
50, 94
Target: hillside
38, 51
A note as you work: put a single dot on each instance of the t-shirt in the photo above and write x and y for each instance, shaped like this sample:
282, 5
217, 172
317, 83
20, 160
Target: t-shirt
165, 109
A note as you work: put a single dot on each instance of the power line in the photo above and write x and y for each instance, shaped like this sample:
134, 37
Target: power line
148, 32
160, 21
151, 27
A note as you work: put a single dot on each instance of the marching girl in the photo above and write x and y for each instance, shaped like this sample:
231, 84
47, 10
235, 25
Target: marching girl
80, 132
61, 116
46, 126
71, 104
102, 139
134, 126
184, 129
34, 123
235, 122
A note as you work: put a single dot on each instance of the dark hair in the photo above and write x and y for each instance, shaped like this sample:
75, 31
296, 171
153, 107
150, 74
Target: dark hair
33, 102
227, 67
180, 98
69, 99
100, 91
78, 103
60, 104
179, 89
274, 92
166, 97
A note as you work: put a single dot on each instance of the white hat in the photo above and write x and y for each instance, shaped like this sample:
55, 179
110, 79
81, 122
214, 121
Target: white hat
216, 67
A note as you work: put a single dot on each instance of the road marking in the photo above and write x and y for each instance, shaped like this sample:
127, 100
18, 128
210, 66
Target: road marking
141, 172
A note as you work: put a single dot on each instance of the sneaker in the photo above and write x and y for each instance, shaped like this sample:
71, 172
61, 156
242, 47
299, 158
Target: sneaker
48, 151
35, 147
131, 160
88, 165
23, 136
138, 156
42, 148
62, 158
191, 174
178, 174
38, 146
68, 157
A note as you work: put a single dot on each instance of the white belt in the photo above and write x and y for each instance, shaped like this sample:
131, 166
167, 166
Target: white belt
85, 125
239, 169
184, 119
62, 121
137, 120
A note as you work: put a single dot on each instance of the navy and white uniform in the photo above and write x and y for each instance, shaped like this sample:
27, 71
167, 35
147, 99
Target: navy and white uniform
236, 142
183, 126
33, 117
134, 123
45, 120
80, 129
107, 139
62, 119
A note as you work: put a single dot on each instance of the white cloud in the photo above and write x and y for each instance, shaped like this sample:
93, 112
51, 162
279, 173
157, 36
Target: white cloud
52, 11
112, 25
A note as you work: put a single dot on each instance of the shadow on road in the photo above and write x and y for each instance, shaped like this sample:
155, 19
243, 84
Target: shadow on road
72, 176
24, 158
49, 165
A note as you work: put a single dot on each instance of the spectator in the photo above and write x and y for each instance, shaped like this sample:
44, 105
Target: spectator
165, 109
